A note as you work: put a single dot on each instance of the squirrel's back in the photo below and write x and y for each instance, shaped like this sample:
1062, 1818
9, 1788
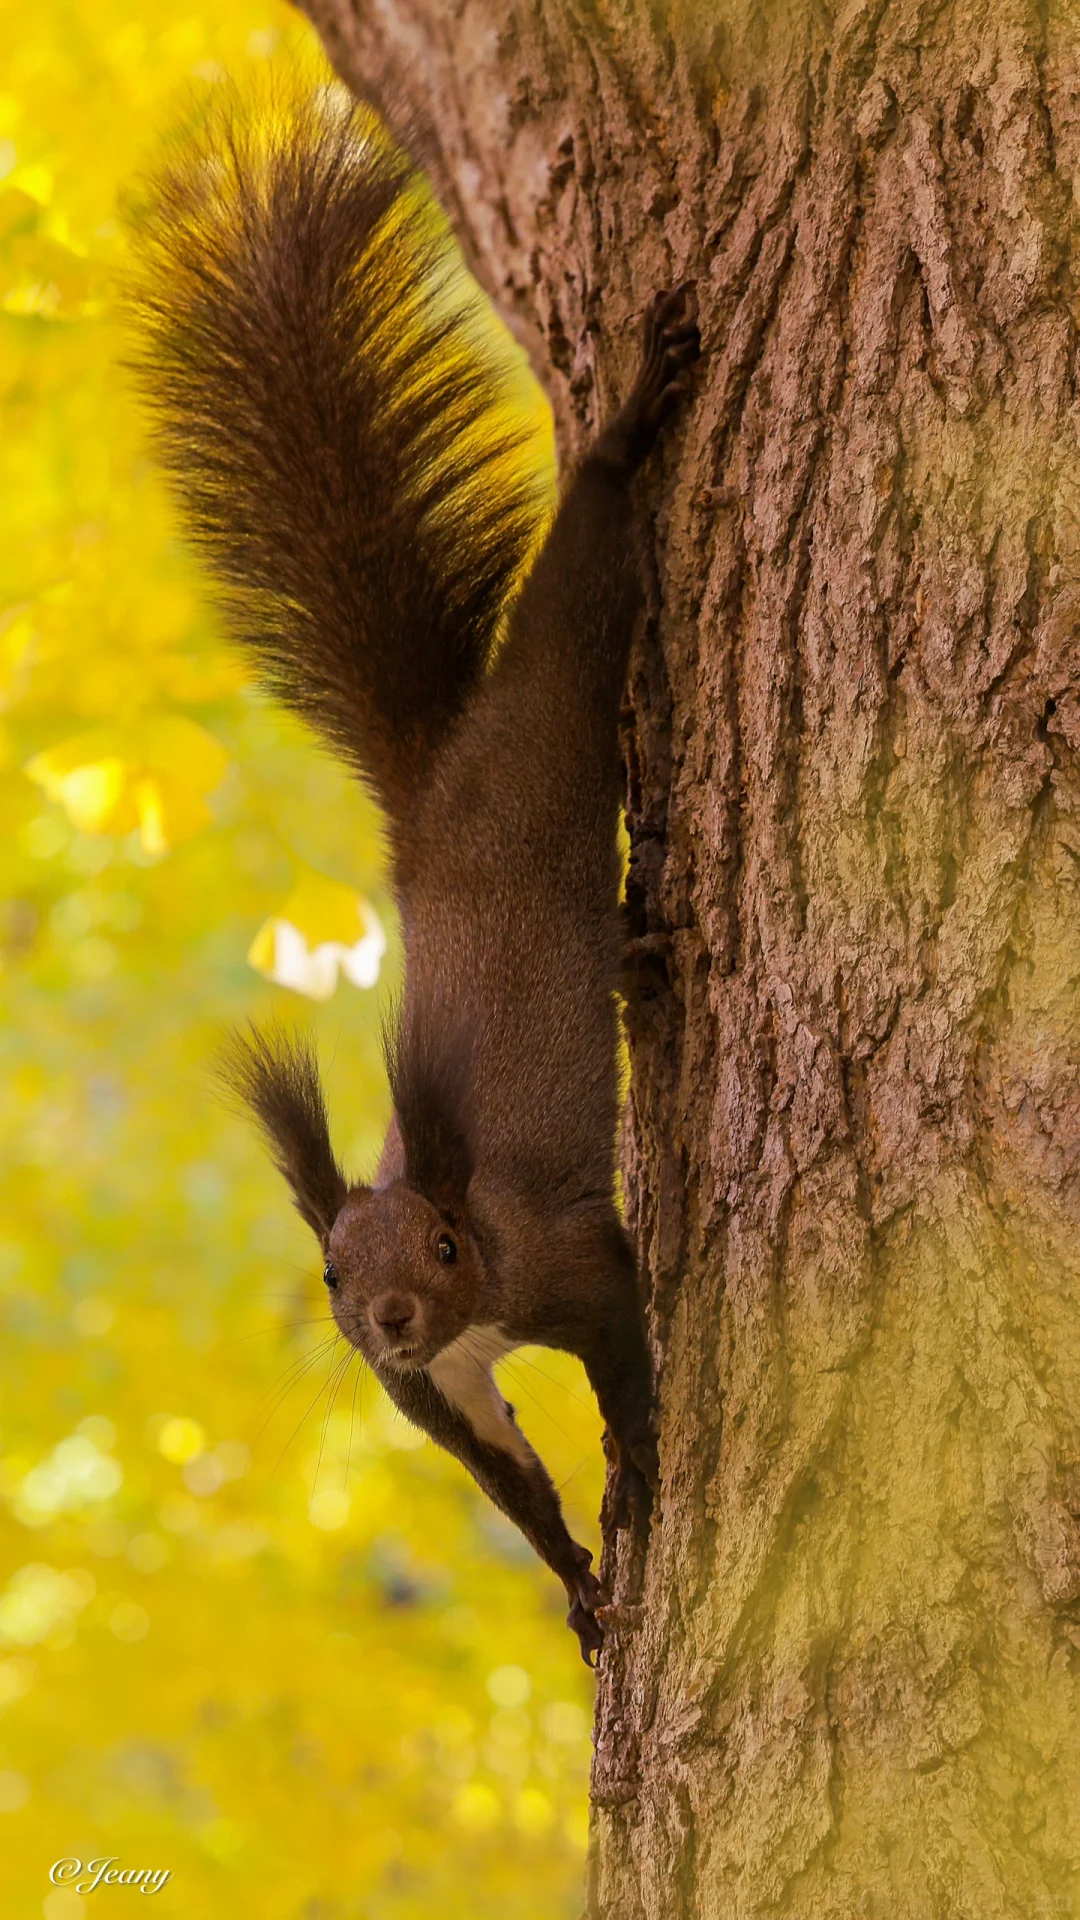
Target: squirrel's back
342, 430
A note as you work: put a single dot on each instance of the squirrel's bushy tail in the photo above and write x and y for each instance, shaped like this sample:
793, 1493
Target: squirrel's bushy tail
342, 429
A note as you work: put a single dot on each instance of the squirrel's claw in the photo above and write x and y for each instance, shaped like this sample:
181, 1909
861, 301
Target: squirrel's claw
584, 1598
669, 304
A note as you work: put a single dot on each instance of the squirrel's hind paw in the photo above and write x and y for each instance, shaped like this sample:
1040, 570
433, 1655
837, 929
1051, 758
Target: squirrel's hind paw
671, 344
635, 1480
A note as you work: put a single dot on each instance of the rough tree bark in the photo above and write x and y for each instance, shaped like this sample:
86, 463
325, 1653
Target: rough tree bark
844, 1679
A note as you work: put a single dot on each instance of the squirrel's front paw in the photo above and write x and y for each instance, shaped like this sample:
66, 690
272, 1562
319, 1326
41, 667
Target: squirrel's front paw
584, 1595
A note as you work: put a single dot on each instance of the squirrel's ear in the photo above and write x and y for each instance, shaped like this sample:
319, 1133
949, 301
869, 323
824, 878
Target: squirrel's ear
429, 1083
438, 1163
277, 1076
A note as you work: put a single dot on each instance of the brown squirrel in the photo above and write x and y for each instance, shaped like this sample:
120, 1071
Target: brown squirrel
336, 428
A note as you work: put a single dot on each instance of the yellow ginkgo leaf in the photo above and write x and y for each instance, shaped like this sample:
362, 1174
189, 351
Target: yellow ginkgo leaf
91, 792
321, 930
322, 909
151, 775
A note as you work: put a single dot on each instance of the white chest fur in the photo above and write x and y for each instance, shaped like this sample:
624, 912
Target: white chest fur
462, 1373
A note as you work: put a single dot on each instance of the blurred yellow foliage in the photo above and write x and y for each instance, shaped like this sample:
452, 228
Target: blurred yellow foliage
152, 775
253, 1630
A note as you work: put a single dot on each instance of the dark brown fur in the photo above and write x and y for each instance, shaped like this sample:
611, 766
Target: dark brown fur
340, 451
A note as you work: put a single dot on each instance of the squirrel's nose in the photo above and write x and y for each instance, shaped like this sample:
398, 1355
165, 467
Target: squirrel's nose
393, 1313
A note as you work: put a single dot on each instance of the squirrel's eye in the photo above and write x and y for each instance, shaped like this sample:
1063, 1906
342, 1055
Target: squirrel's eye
330, 1275
447, 1249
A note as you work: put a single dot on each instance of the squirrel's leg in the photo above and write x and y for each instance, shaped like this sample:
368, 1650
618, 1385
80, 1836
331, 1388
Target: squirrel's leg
616, 1359
571, 626
621, 1378
515, 1481
600, 1319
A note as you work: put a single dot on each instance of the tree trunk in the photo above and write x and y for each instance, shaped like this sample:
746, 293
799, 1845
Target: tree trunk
844, 1679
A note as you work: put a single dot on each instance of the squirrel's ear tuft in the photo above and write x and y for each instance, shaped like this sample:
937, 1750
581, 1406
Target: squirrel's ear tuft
277, 1076
430, 1079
